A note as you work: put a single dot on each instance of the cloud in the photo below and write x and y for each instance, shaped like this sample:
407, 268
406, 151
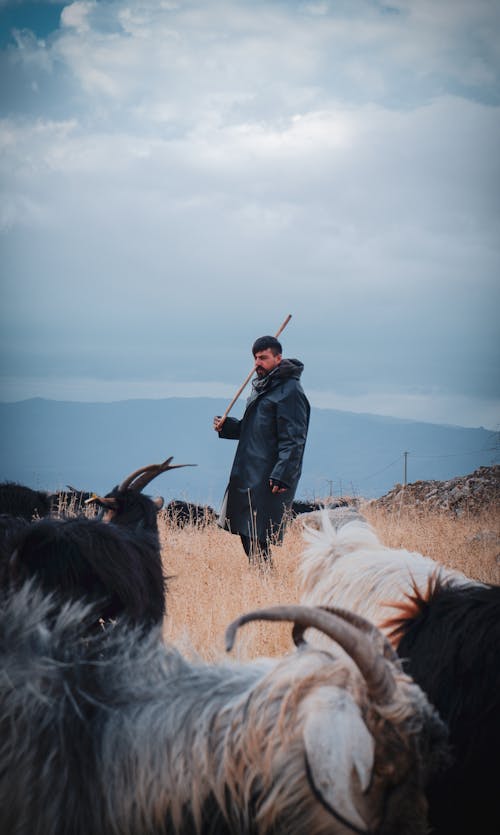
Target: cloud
76, 16
179, 176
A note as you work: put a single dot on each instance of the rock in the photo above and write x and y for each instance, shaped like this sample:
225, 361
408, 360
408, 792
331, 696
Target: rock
471, 493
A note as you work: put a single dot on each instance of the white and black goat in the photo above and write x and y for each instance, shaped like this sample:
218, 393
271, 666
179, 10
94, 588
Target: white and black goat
118, 734
115, 561
446, 628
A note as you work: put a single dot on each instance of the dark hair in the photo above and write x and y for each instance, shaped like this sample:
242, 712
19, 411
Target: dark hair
265, 342
112, 566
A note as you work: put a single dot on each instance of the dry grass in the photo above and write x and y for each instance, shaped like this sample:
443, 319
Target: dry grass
469, 543
211, 582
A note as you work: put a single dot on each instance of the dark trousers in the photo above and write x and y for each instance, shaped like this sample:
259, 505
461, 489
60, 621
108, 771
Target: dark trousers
257, 551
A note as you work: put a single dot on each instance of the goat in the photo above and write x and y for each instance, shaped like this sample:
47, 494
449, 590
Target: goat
11, 529
119, 734
118, 564
23, 502
182, 513
345, 564
446, 628
86, 558
449, 637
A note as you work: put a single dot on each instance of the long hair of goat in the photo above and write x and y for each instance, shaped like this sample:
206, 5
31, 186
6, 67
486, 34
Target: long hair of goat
349, 567
117, 733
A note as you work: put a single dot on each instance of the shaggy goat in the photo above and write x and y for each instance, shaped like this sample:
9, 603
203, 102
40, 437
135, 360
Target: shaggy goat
118, 564
21, 501
120, 734
97, 562
180, 514
11, 530
447, 629
345, 564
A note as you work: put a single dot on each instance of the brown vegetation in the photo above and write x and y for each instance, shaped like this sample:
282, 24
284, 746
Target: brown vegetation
470, 543
211, 582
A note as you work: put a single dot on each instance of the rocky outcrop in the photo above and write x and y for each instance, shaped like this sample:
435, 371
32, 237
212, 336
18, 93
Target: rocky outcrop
471, 493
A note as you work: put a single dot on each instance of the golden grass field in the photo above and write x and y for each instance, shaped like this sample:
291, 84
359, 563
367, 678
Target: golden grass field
211, 582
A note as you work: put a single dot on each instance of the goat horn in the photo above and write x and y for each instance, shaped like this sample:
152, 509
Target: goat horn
140, 478
104, 501
379, 679
381, 642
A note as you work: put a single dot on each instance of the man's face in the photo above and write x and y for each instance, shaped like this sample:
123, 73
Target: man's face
265, 361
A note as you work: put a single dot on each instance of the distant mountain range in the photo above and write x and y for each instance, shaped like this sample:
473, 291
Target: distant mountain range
48, 444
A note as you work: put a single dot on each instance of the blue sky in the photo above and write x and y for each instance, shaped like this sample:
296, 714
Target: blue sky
177, 177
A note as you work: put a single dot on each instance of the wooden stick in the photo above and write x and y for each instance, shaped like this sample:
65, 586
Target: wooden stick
233, 401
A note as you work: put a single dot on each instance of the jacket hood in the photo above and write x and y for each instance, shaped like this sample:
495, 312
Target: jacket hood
288, 368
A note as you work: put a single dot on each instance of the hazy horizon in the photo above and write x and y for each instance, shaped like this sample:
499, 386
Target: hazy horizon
317, 402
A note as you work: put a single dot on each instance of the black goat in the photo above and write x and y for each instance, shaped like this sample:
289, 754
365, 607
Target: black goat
115, 560
449, 639
21, 501
101, 563
11, 530
184, 513
126, 506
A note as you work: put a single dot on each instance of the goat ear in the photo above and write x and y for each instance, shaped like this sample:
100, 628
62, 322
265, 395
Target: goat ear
340, 752
158, 501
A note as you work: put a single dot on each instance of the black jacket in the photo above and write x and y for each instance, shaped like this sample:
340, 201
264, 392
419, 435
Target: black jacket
272, 435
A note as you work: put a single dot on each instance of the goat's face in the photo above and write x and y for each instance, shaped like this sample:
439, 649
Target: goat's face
370, 746
129, 508
407, 757
125, 504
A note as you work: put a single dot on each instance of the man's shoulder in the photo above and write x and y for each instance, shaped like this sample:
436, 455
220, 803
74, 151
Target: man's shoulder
289, 387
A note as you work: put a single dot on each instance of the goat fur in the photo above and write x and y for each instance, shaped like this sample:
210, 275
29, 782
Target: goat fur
446, 628
118, 734
115, 566
345, 564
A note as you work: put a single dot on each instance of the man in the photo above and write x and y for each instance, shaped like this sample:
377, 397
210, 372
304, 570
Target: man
268, 461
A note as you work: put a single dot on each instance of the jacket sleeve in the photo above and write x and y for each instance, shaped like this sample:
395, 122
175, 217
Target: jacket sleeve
292, 421
230, 429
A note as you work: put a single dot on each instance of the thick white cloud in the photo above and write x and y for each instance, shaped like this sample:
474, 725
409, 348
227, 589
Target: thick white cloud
196, 170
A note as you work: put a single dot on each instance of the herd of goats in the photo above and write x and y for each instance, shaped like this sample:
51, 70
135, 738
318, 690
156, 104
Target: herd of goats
384, 721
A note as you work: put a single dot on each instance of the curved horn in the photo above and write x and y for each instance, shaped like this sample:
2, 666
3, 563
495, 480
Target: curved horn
104, 501
140, 478
357, 644
382, 643
129, 479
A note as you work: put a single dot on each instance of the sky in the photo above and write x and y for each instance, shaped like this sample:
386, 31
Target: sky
178, 177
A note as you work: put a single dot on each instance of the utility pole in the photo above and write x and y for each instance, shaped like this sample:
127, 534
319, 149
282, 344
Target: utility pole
405, 479
330, 482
